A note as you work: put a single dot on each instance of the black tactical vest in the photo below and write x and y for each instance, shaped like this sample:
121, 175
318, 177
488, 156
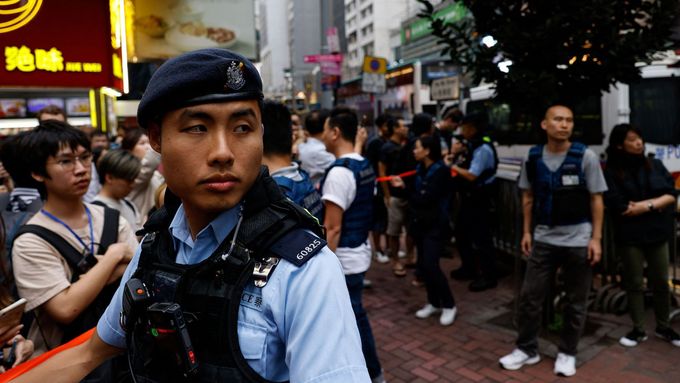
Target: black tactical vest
271, 227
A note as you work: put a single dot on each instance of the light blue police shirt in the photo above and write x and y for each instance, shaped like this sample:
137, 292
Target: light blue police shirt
482, 159
299, 327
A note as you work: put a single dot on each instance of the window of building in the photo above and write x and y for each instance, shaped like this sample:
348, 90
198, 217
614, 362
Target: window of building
654, 109
368, 49
352, 38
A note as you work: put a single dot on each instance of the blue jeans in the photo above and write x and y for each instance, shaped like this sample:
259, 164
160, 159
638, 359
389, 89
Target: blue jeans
355, 285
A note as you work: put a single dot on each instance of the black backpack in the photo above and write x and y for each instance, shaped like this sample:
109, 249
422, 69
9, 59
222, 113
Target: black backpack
75, 260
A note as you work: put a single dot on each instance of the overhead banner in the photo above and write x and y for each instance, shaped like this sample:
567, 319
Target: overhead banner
167, 28
72, 44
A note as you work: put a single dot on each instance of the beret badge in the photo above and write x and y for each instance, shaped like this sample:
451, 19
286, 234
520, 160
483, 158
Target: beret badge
235, 79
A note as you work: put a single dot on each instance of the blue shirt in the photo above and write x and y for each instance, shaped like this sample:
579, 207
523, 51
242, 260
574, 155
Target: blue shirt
482, 159
299, 327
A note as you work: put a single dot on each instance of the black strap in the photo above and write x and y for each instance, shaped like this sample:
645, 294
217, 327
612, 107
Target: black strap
130, 205
99, 203
72, 256
4, 200
110, 231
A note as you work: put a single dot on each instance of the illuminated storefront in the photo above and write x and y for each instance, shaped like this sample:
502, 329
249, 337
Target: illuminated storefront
72, 54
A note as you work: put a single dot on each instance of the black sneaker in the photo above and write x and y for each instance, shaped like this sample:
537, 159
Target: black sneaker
462, 274
669, 335
481, 284
633, 338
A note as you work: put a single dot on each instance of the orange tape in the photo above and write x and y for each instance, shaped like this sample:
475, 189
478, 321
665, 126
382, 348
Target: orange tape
30, 364
402, 175
408, 174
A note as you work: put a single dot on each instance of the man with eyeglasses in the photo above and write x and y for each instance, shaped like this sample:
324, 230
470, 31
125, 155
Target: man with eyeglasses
69, 257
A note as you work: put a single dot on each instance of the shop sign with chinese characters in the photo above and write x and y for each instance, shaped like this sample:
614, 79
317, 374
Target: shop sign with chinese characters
78, 43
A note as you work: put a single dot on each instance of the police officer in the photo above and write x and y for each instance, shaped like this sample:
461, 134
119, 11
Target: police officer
562, 185
347, 193
278, 157
474, 219
230, 283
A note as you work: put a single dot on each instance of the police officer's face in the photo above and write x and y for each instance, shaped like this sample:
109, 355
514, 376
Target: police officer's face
558, 123
211, 153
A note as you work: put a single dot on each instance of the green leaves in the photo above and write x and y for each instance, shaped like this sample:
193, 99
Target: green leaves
561, 50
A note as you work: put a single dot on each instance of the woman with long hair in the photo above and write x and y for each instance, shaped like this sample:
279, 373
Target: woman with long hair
429, 223
641, 201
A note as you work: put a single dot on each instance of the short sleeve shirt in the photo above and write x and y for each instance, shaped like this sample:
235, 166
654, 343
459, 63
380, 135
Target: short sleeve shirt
340, 188
299, 327
40, 272
482, 159
577, 235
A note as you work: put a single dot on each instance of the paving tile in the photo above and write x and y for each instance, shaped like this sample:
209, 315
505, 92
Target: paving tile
421, 351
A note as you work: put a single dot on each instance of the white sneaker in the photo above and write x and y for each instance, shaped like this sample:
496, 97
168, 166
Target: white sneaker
426, 311
565, 365
401, 254
448, 316
381, 257
518, 358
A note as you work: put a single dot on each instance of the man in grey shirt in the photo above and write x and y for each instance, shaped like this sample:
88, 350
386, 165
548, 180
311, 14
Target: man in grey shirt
314, 159
562, 185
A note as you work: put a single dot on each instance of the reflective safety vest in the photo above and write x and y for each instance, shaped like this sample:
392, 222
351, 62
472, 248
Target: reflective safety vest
560, 197
201, 343
358, 218
303, 193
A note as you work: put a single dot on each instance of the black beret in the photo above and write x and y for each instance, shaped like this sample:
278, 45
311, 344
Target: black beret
199, 77
477, 119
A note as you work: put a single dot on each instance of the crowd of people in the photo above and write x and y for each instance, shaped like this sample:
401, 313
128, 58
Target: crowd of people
257, 264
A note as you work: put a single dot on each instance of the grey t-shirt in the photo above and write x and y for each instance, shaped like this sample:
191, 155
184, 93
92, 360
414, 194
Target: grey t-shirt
576, 235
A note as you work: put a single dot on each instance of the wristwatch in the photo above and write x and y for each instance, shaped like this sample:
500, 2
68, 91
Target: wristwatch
650, 206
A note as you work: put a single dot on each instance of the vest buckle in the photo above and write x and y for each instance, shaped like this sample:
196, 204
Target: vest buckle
263, 269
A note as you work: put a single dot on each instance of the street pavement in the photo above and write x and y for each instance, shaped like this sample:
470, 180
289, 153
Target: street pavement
416, 350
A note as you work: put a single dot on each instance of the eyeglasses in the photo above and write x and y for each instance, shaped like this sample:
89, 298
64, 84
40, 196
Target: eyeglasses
69, 163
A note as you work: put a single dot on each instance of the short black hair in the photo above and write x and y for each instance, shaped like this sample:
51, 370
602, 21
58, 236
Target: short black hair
120, 164
13, 155
454, 114
315, 120
131, 138
97, 132
50, 109
422, 123
345, 119
46, 140
387, 119
477, 119
278, 133
432, 143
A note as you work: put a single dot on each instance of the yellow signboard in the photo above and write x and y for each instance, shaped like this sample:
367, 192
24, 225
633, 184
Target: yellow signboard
376, 65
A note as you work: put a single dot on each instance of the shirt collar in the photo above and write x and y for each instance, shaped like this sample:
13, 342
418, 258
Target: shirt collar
286, 171
217, 230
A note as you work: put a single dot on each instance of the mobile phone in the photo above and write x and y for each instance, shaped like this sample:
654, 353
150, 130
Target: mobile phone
10, 316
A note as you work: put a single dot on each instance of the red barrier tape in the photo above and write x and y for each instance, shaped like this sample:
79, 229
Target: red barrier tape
30, 364
408, 174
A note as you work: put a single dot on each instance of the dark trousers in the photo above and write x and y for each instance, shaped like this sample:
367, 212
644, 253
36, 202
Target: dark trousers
633, 258
430, 247
541, 267
474, 238
355, 285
